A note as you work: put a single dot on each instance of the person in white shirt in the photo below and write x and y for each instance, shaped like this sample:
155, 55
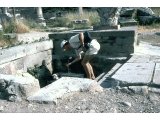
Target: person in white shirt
85, 48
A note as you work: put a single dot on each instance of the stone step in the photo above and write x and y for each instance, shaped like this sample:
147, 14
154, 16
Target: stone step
62, 87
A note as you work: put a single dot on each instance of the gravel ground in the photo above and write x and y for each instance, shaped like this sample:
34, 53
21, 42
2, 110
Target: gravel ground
109, 101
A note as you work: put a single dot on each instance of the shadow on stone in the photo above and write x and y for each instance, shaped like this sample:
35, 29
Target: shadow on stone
157, 33
42, 74
110, 83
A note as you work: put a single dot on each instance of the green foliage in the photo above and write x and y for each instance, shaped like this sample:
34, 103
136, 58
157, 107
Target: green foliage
9, 27
94, 20
58, 22
80, 26
153, 25
15, 27
1, 35
32, 24
66, 21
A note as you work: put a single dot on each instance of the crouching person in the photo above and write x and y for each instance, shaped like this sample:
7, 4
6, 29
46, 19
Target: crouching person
85, 48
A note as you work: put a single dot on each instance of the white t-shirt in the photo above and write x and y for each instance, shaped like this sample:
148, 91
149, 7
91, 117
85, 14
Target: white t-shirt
74, 41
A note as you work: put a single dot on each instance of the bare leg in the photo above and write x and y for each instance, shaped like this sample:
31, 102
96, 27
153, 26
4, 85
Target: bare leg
91, 70
87, 67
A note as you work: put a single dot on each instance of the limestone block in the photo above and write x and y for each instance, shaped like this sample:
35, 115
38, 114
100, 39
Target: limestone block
62, 87
38, 47
139, 59
155, 90
39, 59
135, 73
20, 51
139, 89
155, 59
10, 54
32, 36
21, 86
129, 40
125, 36
156, 77
28, 61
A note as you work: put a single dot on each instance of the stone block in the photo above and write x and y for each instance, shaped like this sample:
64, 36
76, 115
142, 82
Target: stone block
63, 86
21, 86
32, 36
117, 33
109, 37
135, 73
106, 27
13, 66
155, 59
139, 59
155, 90
20, 51
10, 54
38, 59
38, 47
139, 89
156, 77
127, 22
10, 36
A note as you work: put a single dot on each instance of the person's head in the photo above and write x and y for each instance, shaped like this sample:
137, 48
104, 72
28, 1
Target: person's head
65, 45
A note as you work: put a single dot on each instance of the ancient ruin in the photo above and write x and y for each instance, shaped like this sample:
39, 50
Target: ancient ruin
36, 71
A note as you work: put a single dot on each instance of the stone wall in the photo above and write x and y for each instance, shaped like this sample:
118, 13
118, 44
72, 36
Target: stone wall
113, 42
25, 56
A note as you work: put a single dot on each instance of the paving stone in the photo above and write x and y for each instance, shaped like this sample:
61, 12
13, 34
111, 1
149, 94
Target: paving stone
144, 59
155, 59
156, 90
156, 78
139, 59
147, 49
139, 89
1, 108
135, 73
61, 87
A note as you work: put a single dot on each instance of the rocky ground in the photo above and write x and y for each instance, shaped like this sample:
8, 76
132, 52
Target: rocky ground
108, 101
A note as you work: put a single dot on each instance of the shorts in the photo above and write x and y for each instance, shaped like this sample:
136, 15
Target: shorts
94, 47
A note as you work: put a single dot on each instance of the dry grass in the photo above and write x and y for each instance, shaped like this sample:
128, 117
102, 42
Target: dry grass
15, 27
92, 16
5, 42
85, 15
20, 27
149, 28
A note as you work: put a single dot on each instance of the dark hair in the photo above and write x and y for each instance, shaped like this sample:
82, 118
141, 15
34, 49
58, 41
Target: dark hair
66, 44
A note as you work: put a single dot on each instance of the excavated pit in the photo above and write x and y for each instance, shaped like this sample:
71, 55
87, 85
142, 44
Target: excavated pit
100, 65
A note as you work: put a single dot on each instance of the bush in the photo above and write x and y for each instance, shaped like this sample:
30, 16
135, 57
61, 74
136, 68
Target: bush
66, 21
32, 24
15, 27
58, 22
92, 16
20, 27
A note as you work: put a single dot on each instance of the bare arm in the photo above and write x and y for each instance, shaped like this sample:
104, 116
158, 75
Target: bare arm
79, 57
75, 60
81, 38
